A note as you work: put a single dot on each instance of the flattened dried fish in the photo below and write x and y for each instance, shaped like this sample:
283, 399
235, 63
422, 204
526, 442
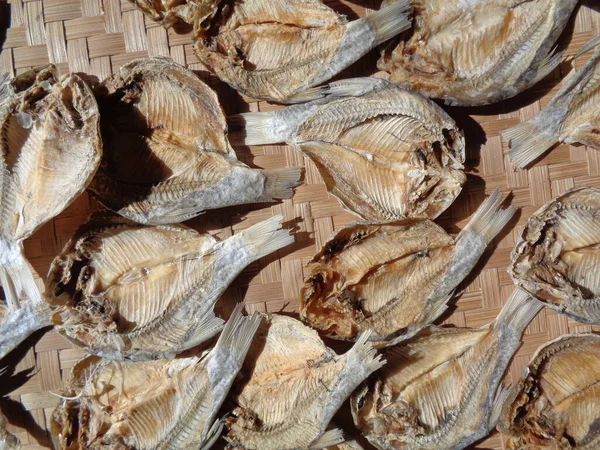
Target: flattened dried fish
166, 153
385, 152
393, 278
51, 148
294, 385
154, 405
556, 405
572, 116
441, 390
557, 253
127, 291
171, 13
276, 49
476, 52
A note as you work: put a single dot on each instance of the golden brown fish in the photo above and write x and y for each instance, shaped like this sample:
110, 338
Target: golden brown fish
276, 49
441, 390
475, 52
572, 116
293, 386
385, 152
51, 148
393, 278
166, 153
153, 405
127, 291
558, 251
556, 404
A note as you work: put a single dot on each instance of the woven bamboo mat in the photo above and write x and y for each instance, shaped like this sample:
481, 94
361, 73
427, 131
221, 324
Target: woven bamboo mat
97, 36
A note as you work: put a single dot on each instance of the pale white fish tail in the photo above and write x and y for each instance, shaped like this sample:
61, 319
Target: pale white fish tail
501, 395
227, 357
367, 353
472, 241
16, 276
256, 128
265, 237
209, 326
21, 323
390, 21
281, 182
328, 439
527, 142
519, 310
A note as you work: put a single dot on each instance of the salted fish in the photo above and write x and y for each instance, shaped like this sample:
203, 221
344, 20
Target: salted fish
127, 291
557, 253
51, 148
385, 152
572, 116
441, 390
166, 153
556, 404
153, 405
276, 49
393, 278
293, 386
476, 52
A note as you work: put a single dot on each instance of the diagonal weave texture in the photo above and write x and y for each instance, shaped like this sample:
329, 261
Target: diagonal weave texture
97, 36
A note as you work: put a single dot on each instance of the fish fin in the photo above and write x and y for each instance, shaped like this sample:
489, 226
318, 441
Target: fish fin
591, 44
177, 215
256, 128
527, 142
351, 87
16, 277
519, 310
281, 182
501, 395
213, 433
266, 237
489, 220
209, 326
237, 335
390, 21
327, 439
547, 65
366, 352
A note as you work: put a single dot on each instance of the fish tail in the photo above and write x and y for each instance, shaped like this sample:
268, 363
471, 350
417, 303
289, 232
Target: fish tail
489, 220
281, 182
21, 323
390, 21
255, 128
367, 353
266, 237
328, 439
237, 335
527, 142
209, 326
519, 310
16, 277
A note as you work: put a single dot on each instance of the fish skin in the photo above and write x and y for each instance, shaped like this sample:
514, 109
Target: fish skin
385, 152
572, 116
178, 13
50, 150
441, 389
127, 291
548, 408
554, 251
274, 50
167, 157
153, 405
477, 52
393, 278
293, 386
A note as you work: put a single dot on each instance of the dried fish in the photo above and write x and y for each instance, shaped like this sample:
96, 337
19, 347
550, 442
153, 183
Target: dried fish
166, 404
294, 385
477, 52
393, 278
572, 116
174, 13
441, 390
556, 404
275, 50
557, 252
166, 153
127, 291
51, 148
385, 152
8, 441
